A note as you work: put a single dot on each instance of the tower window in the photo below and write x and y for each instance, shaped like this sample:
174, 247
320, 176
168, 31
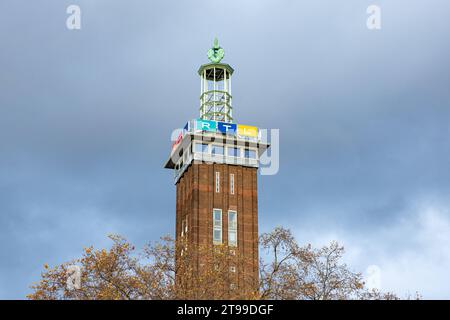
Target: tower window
232, 228
234, 152
183, 223
217, 182
231, 183
217, 226
201, 147
250, 154
217, 150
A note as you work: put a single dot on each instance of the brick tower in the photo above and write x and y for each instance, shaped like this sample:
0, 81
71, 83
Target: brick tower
215, 163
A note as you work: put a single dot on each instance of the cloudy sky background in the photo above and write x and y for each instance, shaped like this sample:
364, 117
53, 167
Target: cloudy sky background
86, 118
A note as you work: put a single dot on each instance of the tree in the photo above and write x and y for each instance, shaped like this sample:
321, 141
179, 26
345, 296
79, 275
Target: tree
171, 270
105, 274
306, 273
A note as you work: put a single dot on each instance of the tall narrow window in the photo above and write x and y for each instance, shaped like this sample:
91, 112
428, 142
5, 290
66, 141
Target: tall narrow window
217, 181
217, 226
183, 226
232, 228
231, 183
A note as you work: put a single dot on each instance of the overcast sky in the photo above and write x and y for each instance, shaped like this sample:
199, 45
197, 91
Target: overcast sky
86, 118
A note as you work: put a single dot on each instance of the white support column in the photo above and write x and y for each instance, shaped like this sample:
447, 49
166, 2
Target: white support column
214, 95
225, 88
231, 99
201, 96
205, 88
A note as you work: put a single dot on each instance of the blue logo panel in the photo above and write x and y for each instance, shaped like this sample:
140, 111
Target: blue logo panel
228, 128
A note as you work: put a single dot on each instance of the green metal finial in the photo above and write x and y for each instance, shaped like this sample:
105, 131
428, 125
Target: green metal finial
216, 53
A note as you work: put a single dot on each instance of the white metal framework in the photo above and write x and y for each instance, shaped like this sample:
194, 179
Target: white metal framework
215, 93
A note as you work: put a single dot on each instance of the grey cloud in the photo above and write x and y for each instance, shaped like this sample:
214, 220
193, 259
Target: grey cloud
85, 119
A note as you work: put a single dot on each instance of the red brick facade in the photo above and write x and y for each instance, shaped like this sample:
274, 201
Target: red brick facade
197, 197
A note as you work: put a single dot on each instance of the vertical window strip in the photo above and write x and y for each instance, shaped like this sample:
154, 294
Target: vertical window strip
217, 182
231, 183
183, 223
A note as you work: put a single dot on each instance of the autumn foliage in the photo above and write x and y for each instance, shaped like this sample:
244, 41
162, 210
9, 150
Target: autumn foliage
170, 270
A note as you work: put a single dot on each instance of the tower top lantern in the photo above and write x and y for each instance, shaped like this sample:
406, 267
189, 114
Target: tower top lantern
215, 81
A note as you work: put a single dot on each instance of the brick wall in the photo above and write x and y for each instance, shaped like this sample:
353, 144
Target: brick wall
196, 198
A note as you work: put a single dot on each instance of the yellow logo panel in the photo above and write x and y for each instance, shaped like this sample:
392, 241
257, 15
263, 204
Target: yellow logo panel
247, 131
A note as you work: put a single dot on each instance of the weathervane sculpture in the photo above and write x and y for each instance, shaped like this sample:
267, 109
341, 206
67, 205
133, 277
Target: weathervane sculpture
216, 53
